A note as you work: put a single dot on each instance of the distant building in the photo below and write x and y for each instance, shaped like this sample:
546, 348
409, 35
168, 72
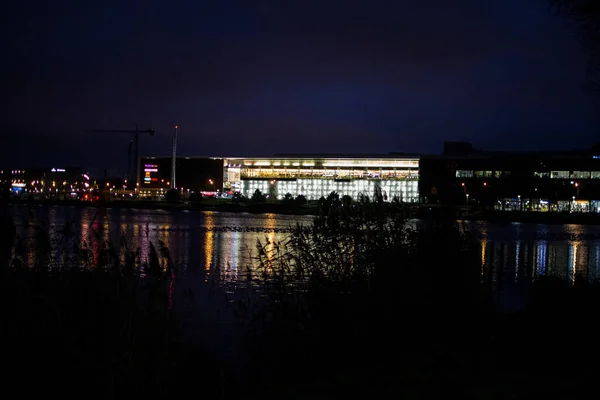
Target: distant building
527, 181
52, 180
312, 176
192, 173
318, 175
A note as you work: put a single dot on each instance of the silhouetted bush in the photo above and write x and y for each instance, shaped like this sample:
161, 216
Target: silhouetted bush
300, 199
358, 284
238, 198
196, 197
288, 198
173, 196
258, 197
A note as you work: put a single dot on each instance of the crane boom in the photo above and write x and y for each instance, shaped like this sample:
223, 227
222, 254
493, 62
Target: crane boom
136, 143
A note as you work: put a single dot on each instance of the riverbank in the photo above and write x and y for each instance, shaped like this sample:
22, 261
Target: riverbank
222, 205
536, 218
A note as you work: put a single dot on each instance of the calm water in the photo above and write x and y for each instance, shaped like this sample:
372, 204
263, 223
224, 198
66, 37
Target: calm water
194, 239
512, 254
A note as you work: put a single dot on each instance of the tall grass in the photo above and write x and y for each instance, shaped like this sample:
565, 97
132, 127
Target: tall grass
360, 295
361, 305
358, 304
93, 320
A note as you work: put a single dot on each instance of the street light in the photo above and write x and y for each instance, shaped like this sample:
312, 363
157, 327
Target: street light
212, 183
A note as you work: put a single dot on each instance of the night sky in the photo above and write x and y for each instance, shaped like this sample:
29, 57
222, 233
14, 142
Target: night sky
259, 77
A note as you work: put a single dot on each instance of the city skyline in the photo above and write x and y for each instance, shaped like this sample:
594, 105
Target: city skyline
252, 79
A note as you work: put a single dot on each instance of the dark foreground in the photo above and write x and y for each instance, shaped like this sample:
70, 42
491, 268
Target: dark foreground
368, 310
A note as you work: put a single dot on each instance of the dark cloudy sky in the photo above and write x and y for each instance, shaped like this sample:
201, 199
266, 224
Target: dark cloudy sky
258, 77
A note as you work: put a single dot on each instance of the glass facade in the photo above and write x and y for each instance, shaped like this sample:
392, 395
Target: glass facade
318, 177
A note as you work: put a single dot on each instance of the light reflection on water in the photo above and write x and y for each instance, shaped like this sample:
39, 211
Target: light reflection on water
197, 245
511, 253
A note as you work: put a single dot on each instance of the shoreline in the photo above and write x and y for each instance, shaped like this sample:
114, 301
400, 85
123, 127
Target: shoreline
308, 209
267, 208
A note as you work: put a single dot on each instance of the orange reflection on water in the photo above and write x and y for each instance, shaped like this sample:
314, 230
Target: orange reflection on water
573, 261
209, 242
483, 250
270, 223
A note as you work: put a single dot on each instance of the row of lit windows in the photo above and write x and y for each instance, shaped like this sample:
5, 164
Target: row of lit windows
314, 189
568, 174
276, 173
463, 173
327, 163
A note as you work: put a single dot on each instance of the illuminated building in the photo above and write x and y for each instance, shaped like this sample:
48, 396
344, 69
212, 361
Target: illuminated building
56, 181
316, 176
567, 181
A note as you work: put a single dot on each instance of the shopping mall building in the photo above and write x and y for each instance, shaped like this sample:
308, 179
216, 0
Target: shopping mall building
308, 175
316, 176
460, 177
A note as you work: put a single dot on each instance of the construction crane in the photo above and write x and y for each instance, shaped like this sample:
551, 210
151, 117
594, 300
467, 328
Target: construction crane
135, 143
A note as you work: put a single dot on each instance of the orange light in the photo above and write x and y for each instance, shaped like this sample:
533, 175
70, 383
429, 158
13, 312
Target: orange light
463, 184
484, 183
176, 126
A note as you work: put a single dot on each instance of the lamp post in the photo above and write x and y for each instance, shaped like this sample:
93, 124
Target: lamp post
212, 183
174, 160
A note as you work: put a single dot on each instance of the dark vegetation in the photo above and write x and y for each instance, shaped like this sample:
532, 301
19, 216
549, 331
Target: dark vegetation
172, 196
92, 321
361, 306
357, 305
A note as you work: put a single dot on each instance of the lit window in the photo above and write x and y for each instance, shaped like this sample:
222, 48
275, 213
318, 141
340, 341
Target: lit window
461, 173
560, 174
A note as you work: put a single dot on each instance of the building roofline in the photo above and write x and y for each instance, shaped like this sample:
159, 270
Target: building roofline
298, 156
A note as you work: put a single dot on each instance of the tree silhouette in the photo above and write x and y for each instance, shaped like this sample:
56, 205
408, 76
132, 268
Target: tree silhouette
196, 197
585, 17
288, 198
258, 197
238, 198
173, 196
301, 199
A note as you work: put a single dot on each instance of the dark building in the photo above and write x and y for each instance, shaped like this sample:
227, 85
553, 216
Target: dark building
193, 173
565, 181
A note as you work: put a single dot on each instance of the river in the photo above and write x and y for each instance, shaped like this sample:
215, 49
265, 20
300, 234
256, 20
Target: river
512, 254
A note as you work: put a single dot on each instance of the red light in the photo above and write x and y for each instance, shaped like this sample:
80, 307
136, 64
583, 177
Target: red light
176, 126
484, 183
